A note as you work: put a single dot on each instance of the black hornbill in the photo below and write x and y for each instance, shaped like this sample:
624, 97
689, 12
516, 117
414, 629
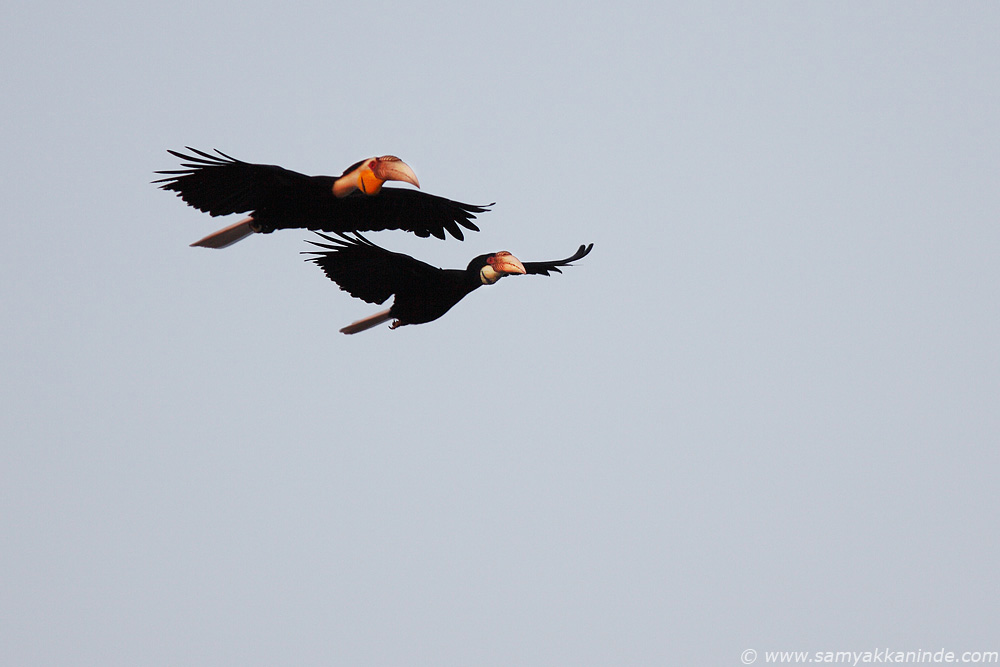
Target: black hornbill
278, 198
423, 292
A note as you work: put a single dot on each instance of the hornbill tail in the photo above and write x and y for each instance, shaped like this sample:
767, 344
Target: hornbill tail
227, 236
368, 322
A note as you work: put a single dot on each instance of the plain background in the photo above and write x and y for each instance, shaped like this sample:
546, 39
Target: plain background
761, 414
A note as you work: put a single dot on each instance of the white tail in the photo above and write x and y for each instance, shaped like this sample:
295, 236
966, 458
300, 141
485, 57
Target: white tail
227, 236
367, 323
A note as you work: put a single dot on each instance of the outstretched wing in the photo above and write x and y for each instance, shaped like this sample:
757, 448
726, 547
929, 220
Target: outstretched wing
410, 210
366, 271
543, 268
223, 185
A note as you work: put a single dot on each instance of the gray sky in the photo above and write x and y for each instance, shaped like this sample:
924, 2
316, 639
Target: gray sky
761, 414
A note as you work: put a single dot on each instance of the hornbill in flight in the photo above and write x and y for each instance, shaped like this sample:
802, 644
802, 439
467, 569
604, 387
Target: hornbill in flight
423, 292
277, 198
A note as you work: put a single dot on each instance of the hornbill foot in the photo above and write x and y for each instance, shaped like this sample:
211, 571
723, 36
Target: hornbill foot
259, 228
395, 324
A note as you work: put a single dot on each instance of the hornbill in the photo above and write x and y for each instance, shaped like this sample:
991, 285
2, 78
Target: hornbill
278, 198
423, 292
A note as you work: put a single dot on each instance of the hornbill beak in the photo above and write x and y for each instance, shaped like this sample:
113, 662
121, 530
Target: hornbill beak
369, 175
499, 265
505, 262
382, 169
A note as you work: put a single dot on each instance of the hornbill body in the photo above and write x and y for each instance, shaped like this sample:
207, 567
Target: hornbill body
423, 292
278, 198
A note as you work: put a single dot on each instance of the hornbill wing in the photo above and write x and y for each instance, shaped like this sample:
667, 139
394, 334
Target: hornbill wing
408, 210
224, 185
543, 268
366, 271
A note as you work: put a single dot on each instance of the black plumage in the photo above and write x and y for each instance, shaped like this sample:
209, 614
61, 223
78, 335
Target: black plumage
422, 292
278, 198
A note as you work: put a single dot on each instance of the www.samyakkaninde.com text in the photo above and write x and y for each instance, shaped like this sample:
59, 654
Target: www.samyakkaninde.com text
877, 657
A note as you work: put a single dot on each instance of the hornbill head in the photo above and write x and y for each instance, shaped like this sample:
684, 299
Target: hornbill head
369, 175
492, 268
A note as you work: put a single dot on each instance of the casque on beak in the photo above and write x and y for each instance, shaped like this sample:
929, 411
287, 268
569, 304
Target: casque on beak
499, 265
382, 169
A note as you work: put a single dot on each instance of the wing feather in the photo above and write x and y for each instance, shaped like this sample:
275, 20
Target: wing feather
405, 209
365, 270
224, 185
543, 268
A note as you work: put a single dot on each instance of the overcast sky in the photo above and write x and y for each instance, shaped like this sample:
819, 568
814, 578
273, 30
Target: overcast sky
762, 414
